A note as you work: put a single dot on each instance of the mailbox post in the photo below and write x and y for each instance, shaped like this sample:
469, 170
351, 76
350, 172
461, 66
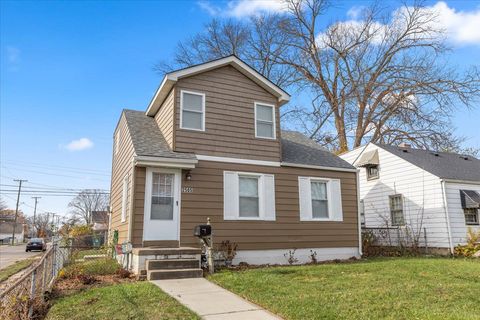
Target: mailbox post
204, 232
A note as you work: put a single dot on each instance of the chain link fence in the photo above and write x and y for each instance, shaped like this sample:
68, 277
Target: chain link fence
18, 299
377, 241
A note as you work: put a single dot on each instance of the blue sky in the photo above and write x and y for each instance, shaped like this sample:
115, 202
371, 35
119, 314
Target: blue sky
68, 68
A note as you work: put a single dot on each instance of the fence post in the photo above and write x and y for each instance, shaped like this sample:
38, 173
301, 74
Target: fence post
32, 293
54, 261
44, 273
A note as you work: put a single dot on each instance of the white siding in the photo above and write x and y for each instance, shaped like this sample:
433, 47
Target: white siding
421, 192
455, 211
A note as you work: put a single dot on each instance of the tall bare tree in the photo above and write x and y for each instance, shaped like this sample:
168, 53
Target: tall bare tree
383, 77
87, 201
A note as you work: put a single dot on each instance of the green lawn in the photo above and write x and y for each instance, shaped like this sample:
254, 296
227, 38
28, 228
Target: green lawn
137, 300
14, 268
390, 288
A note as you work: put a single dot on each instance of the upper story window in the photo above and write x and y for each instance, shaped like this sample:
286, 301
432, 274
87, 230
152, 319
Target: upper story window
264, 121
396, 210
192, 110
372, 172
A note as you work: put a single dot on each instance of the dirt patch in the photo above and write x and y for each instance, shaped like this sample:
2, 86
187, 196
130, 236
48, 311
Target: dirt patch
67, 286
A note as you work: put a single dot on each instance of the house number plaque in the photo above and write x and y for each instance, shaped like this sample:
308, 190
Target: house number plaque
187, 189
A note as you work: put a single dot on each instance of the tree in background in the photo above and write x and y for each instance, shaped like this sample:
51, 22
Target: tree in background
383, 77
87, 201
42, 225
3, 205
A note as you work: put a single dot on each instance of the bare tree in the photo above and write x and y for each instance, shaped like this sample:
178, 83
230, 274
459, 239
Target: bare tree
87, 201
383, 77
42, 226
257, 42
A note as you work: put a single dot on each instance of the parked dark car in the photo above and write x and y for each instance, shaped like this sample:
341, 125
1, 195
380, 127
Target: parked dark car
36, 244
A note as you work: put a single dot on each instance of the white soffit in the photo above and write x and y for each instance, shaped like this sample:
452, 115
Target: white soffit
171, 78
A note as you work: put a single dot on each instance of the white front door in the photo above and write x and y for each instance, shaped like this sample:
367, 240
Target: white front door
162, 204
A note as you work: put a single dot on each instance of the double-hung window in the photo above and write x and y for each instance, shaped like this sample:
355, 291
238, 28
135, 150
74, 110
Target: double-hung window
320, 199
396, 210
248, 196
471, 216
249, 199
264, 121
192, 110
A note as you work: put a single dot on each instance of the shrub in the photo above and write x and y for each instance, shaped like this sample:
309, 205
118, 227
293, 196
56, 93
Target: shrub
472, 246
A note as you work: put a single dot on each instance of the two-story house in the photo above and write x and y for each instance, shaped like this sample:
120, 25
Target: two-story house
209, 145
434, 195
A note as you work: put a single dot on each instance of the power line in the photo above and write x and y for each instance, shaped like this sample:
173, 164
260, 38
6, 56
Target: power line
53, 188
78, 171
54, 166
55, 174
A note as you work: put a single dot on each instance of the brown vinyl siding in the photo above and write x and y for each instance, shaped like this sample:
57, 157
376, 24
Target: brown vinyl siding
165, 118
121, 166
229, 117
287, 231
139, 203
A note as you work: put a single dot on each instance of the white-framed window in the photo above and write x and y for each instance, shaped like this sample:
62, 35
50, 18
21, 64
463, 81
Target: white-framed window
320, 199
248, 196
124, 198
192, 110
471, 216
372, 172
162, 196
117, 140
264, 121
396, 210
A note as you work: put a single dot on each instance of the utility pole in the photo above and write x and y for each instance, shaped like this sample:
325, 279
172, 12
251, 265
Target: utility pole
35, 212
20, 181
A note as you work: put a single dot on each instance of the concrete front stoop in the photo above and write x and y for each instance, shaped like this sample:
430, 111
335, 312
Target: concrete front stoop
212, 302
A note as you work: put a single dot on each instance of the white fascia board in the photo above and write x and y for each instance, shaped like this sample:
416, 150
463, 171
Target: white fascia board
461, 181
308, 166
165, 162
239, 161
171, 78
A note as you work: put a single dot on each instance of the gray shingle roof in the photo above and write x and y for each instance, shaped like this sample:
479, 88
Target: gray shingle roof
441, 164
299, 149
147, 138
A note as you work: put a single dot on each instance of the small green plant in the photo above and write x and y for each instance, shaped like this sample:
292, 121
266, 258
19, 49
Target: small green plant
228, 251
472, 246
290, 256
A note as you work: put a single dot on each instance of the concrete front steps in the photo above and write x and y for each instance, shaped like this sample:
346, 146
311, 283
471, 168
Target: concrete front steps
172, 263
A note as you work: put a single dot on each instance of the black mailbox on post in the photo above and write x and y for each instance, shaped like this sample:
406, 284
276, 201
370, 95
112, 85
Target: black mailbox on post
203, 230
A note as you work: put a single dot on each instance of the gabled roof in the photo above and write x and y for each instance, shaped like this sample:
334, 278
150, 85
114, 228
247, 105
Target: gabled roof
99, 216
445, 165
171, 78
299, 149
147, 138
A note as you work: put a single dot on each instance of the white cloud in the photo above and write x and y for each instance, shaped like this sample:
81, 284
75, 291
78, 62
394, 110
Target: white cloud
79, 145
243, 8
463, 27
13, 54
355, 11
209, 7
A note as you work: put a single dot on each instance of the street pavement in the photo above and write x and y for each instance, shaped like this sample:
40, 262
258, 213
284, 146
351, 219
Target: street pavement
11, 254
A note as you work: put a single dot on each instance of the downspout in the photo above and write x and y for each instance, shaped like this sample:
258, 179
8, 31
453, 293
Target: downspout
360, 249
447, 215
132, 203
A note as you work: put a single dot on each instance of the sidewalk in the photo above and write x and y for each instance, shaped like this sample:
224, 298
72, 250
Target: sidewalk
212, 302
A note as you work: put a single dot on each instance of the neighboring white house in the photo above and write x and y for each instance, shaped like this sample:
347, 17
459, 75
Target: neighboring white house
434, 191
6, 230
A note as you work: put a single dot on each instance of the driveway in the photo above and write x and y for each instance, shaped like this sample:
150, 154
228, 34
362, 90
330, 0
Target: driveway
10, 254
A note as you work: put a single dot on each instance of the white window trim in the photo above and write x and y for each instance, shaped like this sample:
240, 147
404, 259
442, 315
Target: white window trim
274, 120
124, 198
261, 196
403, 209
329, 198
181, 109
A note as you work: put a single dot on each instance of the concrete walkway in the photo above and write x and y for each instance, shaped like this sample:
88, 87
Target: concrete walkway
212, 302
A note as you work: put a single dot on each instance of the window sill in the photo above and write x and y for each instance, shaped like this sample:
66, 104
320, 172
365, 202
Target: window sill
265, 138
191, 129
320, 220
